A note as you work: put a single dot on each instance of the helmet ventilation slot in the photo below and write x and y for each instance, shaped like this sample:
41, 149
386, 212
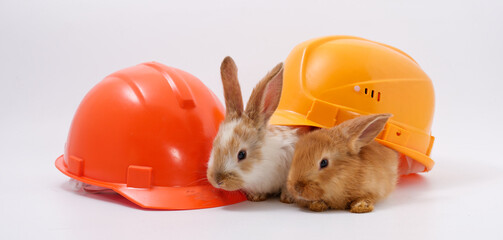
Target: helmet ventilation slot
378, 97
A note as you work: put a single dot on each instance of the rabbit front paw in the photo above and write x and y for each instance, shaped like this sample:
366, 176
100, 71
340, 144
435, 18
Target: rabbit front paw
362, 206
256, 197
286, 197
318, 206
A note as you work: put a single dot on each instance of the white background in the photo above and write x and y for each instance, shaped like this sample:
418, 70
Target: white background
53, 52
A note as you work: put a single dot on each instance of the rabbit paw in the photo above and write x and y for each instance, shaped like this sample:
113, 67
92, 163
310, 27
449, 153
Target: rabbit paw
318, 206
256, 197
285, 197
362, 206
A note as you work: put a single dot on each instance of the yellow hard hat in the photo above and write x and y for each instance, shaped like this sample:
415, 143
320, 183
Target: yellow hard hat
332, 79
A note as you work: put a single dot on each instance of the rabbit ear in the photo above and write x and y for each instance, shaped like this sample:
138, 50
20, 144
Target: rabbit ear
232, 91
363, 130
265, 96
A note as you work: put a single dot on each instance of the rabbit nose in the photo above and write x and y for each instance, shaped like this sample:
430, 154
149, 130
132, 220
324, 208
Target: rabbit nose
299, 187
219, 179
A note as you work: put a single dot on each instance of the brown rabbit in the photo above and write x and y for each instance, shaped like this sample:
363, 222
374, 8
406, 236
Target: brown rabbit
343, 167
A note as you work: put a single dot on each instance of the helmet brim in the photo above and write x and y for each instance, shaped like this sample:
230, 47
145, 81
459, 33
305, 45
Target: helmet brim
417, 156
289, 118
166, 198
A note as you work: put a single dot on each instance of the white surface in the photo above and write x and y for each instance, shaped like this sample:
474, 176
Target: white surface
53, 52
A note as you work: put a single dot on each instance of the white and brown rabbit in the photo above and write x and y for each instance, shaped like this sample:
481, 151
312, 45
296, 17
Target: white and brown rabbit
343, 167
249, 154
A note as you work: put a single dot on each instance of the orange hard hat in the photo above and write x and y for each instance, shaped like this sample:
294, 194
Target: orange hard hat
332, 79
146, 133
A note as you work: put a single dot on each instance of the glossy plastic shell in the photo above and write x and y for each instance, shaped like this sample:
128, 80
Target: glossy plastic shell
332, 79
146, 132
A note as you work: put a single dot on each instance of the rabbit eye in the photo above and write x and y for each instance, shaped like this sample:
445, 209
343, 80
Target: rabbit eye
241, 155
323, 163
